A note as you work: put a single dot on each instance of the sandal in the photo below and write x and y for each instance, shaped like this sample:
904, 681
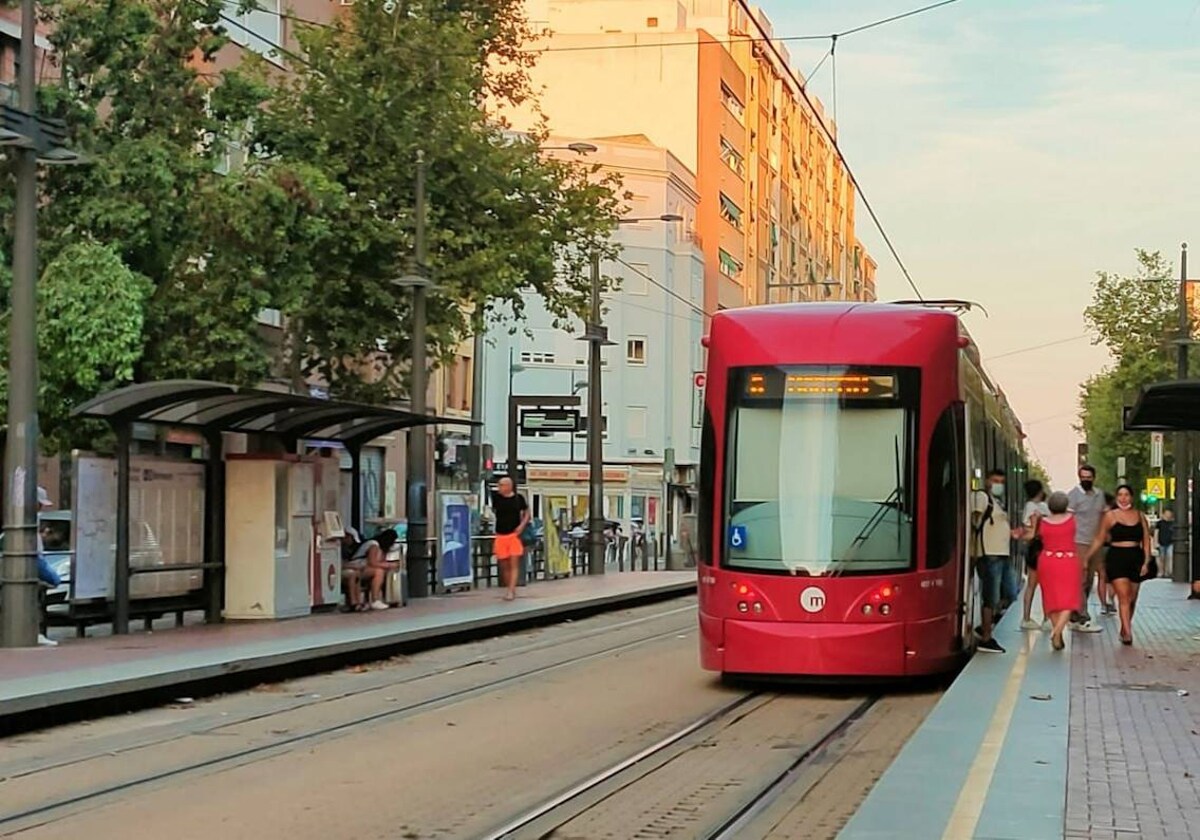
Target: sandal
1127, 640
1057, 643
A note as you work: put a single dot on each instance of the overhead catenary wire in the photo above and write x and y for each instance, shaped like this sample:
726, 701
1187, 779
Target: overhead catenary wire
698, 310
1037, 347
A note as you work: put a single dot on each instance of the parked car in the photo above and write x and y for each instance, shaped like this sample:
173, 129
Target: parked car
55, 526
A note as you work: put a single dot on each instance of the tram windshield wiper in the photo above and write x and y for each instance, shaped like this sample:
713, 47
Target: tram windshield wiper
894, 501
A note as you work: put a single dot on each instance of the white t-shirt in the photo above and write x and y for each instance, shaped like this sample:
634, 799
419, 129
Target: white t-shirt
997, 533
1039, 508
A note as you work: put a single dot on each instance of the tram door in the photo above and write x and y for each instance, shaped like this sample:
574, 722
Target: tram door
974, 466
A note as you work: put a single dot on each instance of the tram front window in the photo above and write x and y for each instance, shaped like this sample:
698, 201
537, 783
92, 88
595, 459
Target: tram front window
819, 471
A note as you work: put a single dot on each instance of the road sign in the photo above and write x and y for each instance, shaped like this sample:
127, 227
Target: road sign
550, 420
738, 536
699, 379
1156, 487
1156, 450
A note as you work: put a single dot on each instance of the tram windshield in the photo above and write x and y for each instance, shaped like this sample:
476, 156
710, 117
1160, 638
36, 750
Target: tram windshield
819, 471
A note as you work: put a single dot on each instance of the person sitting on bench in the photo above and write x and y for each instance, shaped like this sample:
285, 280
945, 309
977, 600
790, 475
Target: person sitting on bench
370, 565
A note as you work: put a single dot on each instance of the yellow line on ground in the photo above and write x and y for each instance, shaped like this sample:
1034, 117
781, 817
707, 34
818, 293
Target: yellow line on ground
973, 794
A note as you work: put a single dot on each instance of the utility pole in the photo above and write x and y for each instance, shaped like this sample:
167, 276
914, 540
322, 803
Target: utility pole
597, 337
475, 468
417, 550
18, 595
1182, 570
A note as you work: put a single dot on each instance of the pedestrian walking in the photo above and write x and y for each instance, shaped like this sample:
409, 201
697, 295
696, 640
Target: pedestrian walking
1086, 502
1035, 510
1060, 568
1128, 561
993, 543
1164, 533
512, 517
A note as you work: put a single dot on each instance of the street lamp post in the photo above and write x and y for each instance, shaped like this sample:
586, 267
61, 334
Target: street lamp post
33, 139
417, 556
596, 335
1186, 570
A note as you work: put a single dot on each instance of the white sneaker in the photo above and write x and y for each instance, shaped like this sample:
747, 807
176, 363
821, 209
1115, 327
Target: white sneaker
1087, 627
379, 605
46, 642
1030, 624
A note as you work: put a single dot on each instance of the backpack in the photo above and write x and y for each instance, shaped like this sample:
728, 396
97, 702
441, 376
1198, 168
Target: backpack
984, 520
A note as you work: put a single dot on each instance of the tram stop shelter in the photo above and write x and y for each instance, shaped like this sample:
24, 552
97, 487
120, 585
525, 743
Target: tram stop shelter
213, 409
1172, 407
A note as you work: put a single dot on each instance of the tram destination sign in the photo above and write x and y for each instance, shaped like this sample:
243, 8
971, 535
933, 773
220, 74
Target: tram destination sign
775, 384
550, 420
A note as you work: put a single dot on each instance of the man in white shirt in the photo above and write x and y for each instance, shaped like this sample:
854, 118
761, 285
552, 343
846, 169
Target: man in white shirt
992, 547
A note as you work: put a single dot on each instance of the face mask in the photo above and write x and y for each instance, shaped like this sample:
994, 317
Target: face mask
997, 490
1125, 505
1086, 485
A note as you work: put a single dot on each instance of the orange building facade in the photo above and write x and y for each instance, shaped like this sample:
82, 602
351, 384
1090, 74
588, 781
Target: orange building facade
704, 79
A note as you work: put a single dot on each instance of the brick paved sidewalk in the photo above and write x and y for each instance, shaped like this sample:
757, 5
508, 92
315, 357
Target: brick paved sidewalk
1134, 766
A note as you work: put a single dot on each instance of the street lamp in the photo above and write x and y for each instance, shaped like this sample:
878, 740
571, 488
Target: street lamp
577, 148
596, 334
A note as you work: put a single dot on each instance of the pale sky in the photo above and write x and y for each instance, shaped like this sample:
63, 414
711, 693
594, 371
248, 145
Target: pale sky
1012, 148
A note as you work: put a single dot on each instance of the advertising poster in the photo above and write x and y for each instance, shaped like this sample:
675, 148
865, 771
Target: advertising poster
558, 558
454, 542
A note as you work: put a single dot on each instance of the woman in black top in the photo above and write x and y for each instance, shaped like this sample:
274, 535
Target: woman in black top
1128, 561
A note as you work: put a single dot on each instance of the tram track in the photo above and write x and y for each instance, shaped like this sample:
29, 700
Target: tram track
669, 789
277, 741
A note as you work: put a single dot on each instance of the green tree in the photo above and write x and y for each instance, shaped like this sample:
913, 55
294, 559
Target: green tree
386, 83
1134, 317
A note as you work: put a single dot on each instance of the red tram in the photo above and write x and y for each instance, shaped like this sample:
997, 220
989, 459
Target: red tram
839, 447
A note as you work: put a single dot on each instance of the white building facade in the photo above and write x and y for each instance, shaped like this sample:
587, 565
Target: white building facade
655, 322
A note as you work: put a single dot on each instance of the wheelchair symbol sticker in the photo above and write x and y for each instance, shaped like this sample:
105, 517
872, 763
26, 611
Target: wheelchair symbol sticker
737, 536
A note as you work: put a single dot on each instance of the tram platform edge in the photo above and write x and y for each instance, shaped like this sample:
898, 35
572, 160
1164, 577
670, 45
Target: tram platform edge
96, 676
990, 761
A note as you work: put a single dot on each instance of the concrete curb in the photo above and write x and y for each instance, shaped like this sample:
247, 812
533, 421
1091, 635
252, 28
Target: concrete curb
210, 670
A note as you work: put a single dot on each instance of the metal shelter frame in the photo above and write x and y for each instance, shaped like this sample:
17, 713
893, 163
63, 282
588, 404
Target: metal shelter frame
1173, 407
215, 408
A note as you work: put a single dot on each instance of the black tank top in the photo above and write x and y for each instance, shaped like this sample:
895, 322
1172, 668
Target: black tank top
1122, 533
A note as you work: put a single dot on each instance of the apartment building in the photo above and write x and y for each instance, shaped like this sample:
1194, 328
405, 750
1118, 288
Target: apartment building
655, 323
703, 79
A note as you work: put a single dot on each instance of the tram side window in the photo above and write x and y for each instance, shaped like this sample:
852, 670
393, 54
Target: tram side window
708, 461
945, 491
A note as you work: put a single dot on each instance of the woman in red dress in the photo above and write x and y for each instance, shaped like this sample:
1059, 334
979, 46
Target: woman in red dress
1059, 571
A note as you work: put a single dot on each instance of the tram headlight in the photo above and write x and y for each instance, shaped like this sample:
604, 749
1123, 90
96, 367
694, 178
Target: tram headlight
885, 609
743, 607
758, 608
866, 609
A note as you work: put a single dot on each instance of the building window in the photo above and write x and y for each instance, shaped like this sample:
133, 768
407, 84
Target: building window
635, 350
532, 357
733, 158
732, 103
270, 318
730, 267
636, 422
730, 212
583, 427
635, 281
259, 27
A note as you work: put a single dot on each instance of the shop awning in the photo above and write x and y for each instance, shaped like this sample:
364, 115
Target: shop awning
219, 407
1164, 407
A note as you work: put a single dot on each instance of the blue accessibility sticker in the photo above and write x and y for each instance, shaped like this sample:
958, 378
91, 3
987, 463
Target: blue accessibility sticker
738, 536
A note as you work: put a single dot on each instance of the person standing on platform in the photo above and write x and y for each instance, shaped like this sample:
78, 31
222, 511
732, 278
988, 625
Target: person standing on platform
1035, 510
1128, 561
512, 517
1060, 569
1086, 502
993, 549
1164, 532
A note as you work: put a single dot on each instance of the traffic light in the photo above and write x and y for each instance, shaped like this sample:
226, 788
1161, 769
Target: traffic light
489, 462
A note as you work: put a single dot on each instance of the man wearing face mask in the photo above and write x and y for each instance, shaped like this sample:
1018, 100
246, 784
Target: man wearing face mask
1087, 503
993, 549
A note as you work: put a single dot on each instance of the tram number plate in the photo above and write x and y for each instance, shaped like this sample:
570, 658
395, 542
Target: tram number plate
738, 536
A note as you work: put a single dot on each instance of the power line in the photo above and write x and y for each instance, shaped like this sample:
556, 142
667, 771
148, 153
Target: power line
894, 18
276, 47
1055, 343
669, 291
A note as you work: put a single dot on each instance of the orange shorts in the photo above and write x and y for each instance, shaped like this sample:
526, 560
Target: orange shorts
507, 546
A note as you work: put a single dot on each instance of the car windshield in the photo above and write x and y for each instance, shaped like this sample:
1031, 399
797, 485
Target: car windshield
819, 471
